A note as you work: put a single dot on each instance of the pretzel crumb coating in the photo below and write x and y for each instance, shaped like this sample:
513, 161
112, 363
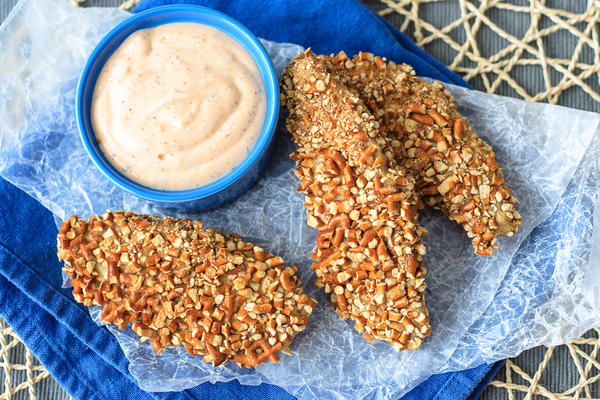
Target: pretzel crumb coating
455, 170
180, 284
369, 254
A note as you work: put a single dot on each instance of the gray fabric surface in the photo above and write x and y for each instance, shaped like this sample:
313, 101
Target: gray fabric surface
561, 373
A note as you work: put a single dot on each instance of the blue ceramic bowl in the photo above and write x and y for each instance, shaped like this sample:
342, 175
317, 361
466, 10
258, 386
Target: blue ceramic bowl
241, 178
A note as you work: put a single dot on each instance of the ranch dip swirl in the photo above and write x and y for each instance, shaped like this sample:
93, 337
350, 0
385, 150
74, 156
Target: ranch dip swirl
178, 106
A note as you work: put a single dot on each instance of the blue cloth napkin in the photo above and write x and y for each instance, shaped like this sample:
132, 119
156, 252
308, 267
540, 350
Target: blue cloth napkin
85, 358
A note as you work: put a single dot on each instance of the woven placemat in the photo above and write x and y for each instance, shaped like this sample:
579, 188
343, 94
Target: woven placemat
21, 374
536, 50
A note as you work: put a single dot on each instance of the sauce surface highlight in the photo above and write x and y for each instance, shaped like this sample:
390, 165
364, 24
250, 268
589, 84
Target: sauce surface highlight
178, 106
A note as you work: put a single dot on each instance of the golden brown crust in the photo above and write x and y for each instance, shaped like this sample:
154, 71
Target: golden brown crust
369, 251
181, 284
455, 170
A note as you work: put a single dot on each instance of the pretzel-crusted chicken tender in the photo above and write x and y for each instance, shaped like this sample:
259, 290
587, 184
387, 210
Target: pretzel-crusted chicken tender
178, 283
363, 203
455, 170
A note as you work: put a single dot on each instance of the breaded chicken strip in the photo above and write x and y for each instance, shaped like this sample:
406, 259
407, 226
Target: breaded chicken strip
178, 283
455, 170
369, 251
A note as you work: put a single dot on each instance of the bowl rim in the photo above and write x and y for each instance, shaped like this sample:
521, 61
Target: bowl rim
270, 83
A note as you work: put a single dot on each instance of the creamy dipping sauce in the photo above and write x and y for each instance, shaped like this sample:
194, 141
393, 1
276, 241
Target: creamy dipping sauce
178, 106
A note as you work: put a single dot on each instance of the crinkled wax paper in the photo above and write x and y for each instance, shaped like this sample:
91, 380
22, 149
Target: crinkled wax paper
541, 287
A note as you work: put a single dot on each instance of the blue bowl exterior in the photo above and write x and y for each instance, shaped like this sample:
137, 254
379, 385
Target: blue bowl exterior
241, 178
